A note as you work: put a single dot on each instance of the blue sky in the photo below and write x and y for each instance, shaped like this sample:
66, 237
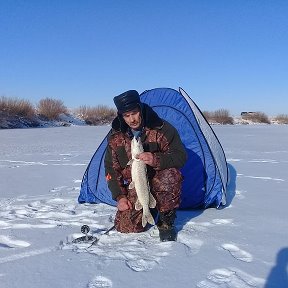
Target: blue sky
228, 54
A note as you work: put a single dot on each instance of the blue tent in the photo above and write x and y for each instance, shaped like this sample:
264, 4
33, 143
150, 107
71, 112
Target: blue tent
205, 172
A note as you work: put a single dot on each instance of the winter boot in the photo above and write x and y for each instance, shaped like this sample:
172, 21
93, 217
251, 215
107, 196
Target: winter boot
166, 227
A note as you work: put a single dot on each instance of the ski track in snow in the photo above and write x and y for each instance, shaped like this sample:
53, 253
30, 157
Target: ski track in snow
63, 161
8, 242
260, 177
230, 278
27, 254
271, 161
233, 160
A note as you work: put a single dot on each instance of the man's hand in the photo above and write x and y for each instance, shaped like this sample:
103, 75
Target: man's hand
124, 204
147, 158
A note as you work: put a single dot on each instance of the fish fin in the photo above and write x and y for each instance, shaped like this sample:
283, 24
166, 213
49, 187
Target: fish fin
152, 201
131, 185
150, 219
138, 205
129, 163
144, 221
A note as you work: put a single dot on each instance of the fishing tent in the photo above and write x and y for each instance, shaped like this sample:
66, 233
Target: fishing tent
205, 172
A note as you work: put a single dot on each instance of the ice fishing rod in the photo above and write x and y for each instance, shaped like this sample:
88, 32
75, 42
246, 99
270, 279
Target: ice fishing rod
132, 217
85, 230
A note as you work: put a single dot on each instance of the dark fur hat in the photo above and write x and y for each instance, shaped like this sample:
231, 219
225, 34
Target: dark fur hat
127, 101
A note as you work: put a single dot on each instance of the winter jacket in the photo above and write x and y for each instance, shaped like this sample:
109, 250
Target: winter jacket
159, 137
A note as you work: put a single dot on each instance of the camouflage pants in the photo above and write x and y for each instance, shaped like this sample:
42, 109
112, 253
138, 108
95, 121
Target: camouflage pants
165, 187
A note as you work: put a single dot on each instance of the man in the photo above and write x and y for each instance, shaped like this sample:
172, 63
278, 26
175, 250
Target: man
164, 155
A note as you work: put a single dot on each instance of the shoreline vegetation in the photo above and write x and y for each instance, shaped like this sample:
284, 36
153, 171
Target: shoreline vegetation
20, 113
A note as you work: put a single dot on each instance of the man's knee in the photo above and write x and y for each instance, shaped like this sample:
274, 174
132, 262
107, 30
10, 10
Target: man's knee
129, 221
166, 187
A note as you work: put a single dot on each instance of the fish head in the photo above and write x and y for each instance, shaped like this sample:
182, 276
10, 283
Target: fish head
136, 147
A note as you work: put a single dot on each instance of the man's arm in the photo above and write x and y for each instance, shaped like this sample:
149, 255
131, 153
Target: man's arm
113, 174
172, 151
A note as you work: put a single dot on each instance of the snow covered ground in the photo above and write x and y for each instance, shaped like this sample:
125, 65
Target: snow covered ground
243, 245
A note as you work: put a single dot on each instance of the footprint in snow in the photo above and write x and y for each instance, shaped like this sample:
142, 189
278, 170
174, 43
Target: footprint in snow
100, 281
230, 278
58, 189
222, 221
193, 245
192, 226
239, 194
7, 242
238, 253
139, 252
205, 226
50, 213
141, 265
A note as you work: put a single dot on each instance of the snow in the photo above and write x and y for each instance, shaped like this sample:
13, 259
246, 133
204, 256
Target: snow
242, 245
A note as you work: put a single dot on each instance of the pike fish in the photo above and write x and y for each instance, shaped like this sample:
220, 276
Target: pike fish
145, 199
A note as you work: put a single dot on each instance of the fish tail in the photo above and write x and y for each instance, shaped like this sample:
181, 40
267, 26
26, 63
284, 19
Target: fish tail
147, 218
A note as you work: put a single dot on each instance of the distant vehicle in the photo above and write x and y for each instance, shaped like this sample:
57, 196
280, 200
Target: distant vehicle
248, 113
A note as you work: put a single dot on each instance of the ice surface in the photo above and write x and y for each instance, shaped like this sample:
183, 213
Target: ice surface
243, 245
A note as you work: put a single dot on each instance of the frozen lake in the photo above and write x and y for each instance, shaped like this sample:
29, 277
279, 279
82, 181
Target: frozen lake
244, 245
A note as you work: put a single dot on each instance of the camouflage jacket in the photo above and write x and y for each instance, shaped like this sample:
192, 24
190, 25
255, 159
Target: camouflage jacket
158, 137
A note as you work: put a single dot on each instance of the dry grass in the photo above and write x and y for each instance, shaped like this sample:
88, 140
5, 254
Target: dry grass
15, 112
51, 109
207, 115
282, 118
14, 107
256, 117
221, 116
96, 115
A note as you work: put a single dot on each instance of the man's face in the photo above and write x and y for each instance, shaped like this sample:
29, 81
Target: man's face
133, 118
